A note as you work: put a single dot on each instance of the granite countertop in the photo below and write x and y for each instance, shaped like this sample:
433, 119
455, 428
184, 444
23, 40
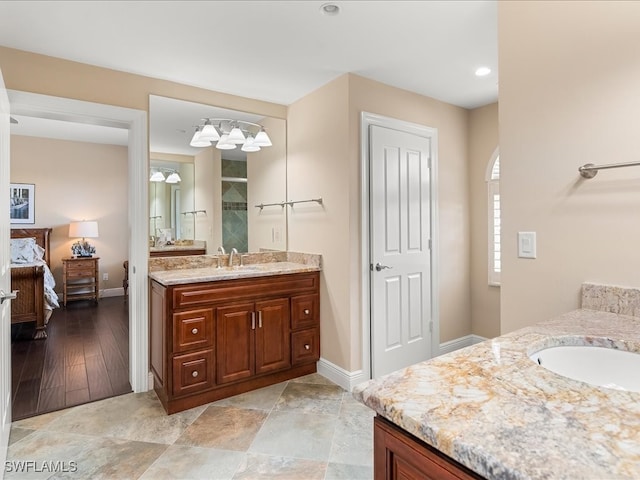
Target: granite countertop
213, 274
176, 247
494, 410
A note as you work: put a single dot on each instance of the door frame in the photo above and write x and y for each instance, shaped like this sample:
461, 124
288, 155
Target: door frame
135, 121
367, 119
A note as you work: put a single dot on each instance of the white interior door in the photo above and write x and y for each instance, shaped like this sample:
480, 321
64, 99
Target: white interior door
5, 278
401, 324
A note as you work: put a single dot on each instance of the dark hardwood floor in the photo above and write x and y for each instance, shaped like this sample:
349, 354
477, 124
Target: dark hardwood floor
85, 358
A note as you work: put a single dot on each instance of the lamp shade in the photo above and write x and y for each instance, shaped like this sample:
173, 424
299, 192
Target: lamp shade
157, 177
84, 229
209, 132
262, 139
236, 136
173, 178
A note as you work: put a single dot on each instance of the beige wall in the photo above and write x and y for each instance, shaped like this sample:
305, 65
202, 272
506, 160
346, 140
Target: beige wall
569, 80
267, 183
320, 168
76, 181
483, 142
331, 169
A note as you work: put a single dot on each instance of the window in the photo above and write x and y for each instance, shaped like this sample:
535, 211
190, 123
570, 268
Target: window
493, 188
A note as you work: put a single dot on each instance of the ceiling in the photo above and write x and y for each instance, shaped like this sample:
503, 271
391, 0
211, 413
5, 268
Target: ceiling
277, 51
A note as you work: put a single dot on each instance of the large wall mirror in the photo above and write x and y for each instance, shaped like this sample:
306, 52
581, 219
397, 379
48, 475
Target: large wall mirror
212, 194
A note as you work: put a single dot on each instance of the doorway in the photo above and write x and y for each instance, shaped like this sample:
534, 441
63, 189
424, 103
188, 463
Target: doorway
399, 243
135, 121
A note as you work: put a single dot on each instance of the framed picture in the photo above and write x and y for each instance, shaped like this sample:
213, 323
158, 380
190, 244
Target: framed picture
22, 202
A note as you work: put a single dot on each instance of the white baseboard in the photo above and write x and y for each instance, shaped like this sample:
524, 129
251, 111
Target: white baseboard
348, 380
339, 375
458, 343
112, 292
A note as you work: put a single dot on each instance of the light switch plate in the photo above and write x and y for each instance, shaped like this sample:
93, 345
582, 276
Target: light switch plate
527, 244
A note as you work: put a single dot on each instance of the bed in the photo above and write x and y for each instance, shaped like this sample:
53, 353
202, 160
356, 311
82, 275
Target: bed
31, 276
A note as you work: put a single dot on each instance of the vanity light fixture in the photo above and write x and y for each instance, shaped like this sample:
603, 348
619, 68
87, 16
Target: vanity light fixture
483, 71
158, 176
227, 134
173, 178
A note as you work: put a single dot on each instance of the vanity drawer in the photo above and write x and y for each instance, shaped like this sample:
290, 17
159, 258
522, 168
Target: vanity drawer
305, 311
305, 346
193, 372
192, 329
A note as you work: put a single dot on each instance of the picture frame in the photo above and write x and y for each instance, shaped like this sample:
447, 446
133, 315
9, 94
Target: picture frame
22, 203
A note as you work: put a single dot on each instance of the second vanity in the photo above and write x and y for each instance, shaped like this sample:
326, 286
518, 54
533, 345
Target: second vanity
491, 411
218, 332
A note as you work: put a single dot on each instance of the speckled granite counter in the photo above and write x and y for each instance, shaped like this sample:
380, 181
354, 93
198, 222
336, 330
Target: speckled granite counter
203, 268
495, 411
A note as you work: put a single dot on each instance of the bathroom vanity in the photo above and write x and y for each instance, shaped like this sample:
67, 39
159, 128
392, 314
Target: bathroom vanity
218, 332
490, 411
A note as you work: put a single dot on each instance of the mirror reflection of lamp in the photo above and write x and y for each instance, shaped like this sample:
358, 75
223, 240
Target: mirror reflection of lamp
84, 229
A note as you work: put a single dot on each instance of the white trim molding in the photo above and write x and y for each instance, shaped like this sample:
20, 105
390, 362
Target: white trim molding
135, 121
339, 375
458, 343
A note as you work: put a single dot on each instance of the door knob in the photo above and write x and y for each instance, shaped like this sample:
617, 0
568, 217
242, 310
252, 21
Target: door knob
7, 296
380, 267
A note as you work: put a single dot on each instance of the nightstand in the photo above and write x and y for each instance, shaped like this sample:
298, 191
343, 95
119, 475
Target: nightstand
80, 279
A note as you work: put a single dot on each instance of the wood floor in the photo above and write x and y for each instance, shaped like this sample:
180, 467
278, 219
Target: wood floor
84, 358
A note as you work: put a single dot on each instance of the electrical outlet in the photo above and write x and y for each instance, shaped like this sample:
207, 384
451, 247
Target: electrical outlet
105, 276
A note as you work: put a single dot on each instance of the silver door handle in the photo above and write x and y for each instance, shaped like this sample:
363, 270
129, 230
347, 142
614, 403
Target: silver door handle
381, 267
7, 296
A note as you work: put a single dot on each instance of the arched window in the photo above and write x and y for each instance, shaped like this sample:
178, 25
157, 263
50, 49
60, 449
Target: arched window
493, 189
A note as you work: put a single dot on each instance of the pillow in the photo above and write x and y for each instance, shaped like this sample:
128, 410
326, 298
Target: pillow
25, 250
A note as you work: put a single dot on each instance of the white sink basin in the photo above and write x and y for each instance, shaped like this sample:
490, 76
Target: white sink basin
599, 366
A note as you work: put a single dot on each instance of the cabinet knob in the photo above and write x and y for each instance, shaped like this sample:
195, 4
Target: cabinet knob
194, 374
306, 311
194, 331
307, 346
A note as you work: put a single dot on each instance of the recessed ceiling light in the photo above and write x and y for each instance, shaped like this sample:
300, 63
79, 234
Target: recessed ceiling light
330, 9
483, 71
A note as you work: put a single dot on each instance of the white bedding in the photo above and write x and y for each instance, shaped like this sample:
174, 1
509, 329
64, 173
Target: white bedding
25, 252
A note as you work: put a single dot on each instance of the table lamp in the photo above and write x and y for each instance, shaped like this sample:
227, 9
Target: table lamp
84, 229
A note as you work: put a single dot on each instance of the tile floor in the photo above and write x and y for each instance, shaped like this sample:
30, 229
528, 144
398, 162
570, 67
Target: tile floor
306, 428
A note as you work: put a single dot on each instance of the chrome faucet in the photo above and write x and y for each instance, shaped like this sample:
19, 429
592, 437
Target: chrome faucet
221, 250
233, 251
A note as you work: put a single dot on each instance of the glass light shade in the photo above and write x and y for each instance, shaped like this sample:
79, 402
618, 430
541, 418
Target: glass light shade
250, 146
173, 178
236, 136
157, 177
209, 132
223, 143
84, 229
196, 141
262, 139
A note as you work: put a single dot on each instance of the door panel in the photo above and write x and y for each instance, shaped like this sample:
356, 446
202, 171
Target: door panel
5, 278
272, 336
235, 355
400, 233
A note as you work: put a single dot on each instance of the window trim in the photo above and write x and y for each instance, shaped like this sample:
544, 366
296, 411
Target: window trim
493, 188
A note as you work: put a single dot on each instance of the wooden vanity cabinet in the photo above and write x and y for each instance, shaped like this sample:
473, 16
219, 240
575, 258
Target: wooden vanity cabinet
212, 340
399, 455
252, 338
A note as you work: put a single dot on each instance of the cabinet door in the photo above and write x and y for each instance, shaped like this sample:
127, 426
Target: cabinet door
235, 336
400, 456
272, 335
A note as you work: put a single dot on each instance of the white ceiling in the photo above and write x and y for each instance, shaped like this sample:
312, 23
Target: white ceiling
276, 51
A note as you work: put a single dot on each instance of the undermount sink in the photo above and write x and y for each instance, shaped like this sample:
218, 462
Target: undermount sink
599, 366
